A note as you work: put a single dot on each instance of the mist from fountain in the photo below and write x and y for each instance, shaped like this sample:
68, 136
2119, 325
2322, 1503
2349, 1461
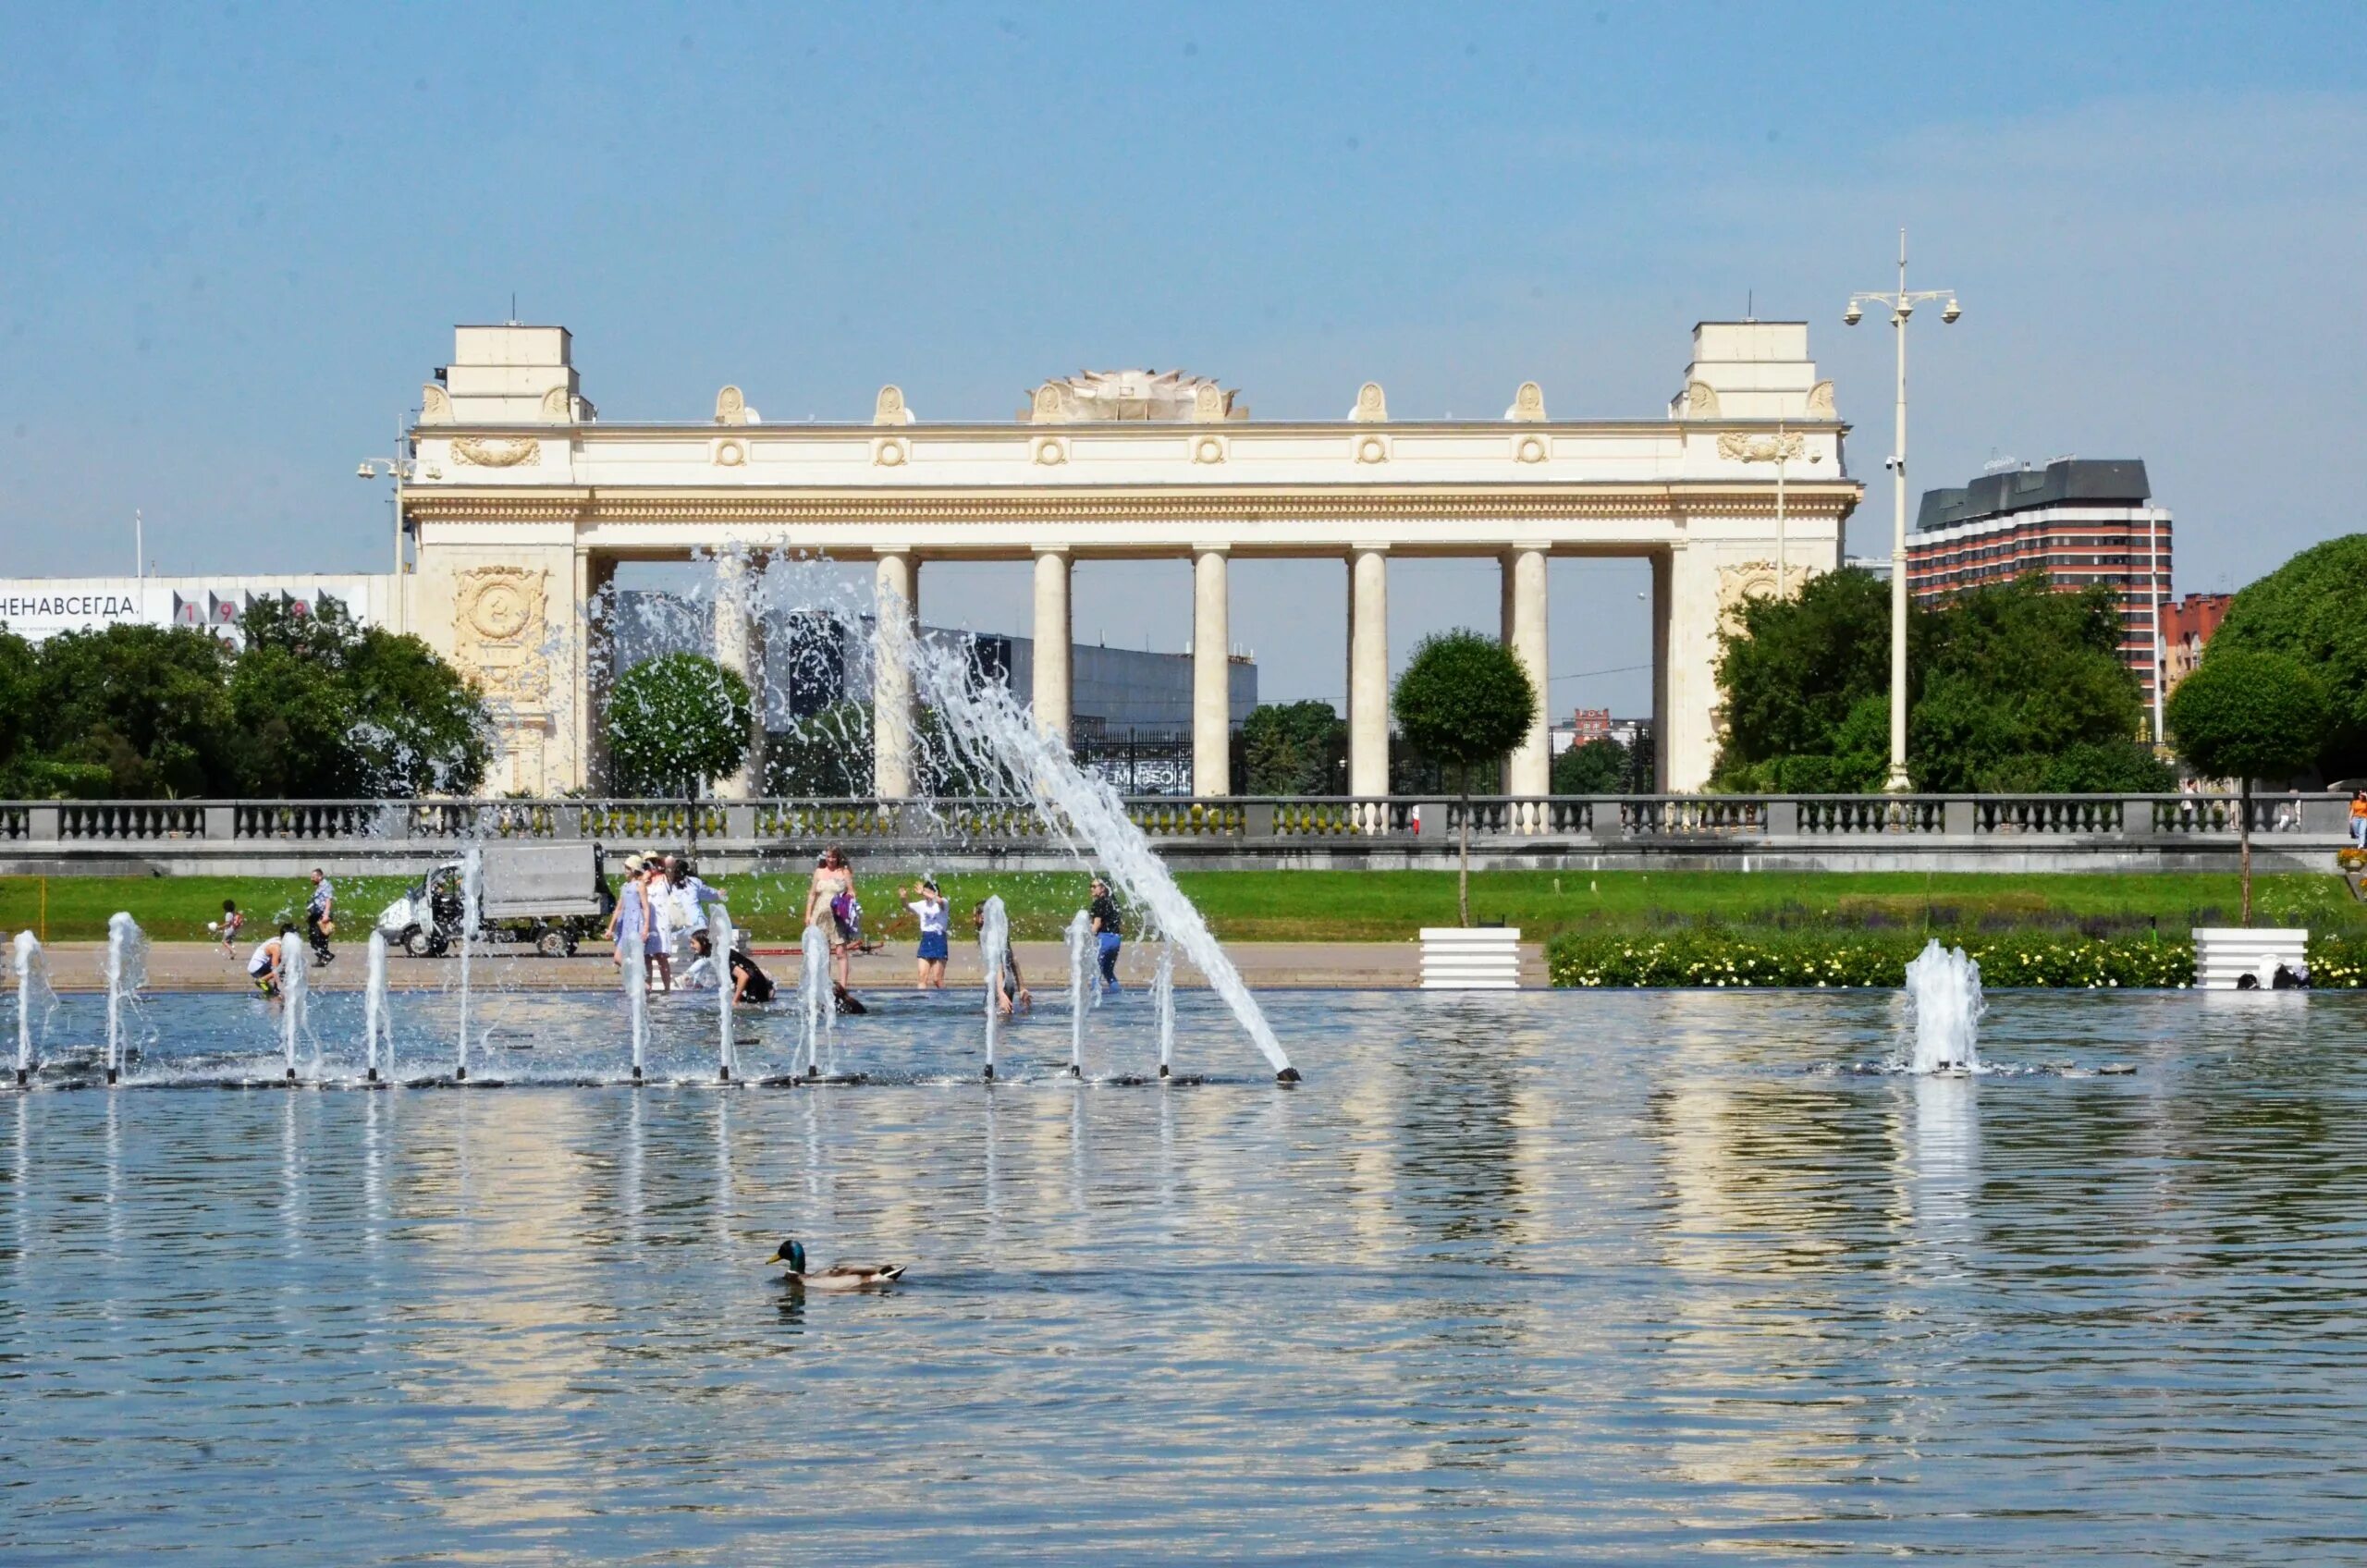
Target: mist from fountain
1083, 993
127, 971
994, 945
982, 735
378, 1021
1944, 1000
32, 991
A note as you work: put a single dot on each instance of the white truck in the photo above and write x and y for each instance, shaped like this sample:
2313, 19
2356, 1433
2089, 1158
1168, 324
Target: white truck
552, 896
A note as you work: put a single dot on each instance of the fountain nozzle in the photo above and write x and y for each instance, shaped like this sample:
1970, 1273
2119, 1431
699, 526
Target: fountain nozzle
636, 1074
726, 1074
110, 1074
990, 1072
1162, 1070
1287, 1076
373, 1076
461, 1075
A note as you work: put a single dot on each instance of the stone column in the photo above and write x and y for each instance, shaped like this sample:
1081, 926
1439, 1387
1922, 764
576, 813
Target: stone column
596, 574
1531, 772
1211, 675
735, 649
1686, 605
1051, 694
1368, 671
1660, 672
896, 601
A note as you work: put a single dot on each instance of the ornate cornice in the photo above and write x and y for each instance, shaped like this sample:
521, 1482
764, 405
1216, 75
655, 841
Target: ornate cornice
1806, 500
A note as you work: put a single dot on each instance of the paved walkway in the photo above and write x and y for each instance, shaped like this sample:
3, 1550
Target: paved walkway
203, 966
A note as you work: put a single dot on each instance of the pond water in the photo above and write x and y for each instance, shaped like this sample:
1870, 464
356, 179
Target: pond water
1642, 1277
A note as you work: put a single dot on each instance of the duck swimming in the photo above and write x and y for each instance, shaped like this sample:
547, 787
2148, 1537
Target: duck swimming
839, 1276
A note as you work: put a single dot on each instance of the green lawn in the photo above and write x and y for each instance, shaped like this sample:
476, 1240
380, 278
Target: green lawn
1345, 905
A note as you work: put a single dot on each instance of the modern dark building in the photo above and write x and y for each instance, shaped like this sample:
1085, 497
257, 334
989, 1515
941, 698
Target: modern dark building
2082, 521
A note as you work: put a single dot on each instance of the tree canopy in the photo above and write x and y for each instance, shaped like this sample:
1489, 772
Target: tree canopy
2312, 609
1598, 767
1464, 700
677, 723
1288, 748
315, 705
2247, 716
2012, 688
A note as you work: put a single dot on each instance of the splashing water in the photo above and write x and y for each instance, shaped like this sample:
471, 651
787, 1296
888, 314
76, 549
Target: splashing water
1944, 999
472, 890
983, 735
32, 991
1083, 993
127, 971
294, 994
636, 968
1162, 998
994, 945
377, 1023
718, 931
814, 989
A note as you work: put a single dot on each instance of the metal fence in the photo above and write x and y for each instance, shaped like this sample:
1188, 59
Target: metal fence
987, 824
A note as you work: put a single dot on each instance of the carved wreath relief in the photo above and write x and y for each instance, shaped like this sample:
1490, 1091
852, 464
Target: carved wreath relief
499, 628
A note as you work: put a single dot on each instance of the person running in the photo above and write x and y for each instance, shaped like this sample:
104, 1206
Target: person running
1010, 992
935, 915
230, 924
1103, 911
320, 917
831, 896
269, 961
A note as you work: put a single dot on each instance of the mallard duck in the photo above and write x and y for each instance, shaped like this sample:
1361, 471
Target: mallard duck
839, 1276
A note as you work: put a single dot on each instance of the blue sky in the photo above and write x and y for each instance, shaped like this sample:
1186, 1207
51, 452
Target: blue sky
235, 239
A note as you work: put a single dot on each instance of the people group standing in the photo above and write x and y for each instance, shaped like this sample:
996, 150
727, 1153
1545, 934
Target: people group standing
633, 924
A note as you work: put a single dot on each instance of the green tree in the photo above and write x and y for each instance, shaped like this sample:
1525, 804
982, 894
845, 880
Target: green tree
1599, 768
2013, 688
2313, 610
677, 723
1465, 702
2244, 714
330, 709
1287, 748
133, 712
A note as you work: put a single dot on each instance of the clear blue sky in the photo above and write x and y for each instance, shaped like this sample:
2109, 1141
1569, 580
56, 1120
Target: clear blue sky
235, 239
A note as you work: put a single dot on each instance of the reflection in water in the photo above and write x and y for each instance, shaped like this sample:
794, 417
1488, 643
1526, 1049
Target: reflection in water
1611, 1278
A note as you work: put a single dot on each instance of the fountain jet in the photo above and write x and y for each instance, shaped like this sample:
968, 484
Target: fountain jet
127, 971
32, 989
1944, 999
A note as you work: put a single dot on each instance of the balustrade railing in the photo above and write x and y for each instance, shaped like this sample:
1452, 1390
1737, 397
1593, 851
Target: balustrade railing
1277, 820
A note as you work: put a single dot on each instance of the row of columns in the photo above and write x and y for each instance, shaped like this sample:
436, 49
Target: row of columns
897, 594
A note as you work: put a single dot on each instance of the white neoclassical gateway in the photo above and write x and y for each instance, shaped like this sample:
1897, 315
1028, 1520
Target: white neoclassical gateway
522, 502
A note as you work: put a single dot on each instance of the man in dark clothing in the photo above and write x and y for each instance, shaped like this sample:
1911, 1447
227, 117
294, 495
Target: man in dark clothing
1103, 912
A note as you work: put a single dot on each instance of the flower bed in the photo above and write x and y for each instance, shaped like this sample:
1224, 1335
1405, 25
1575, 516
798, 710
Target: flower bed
1713, 957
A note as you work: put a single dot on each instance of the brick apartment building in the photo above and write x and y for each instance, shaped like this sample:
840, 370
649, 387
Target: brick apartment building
2187, 625
2082, 520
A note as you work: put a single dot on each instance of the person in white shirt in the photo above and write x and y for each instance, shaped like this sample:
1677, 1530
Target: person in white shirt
935, 915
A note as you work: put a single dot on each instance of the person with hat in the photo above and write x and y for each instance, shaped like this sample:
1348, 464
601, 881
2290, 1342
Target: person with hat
935, 918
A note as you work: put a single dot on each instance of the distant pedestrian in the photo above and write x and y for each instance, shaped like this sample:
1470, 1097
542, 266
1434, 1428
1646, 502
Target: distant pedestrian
2358, 818
935, 915
320, 917
1103, 912
229, 926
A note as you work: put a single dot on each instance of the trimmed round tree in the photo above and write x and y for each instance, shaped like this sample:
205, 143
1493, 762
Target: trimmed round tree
677, 723
2245, 715
1465, 702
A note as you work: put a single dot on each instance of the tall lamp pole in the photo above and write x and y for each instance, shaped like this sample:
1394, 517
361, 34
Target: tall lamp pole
1902, 306
398, 470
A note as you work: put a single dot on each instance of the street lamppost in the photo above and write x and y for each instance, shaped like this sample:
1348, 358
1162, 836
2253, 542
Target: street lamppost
1902, 306
398, 470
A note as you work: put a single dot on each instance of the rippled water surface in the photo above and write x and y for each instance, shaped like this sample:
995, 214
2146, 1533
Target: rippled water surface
1591, 1276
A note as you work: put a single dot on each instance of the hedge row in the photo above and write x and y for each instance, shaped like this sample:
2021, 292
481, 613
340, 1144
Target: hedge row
1720, 957
1715, 958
